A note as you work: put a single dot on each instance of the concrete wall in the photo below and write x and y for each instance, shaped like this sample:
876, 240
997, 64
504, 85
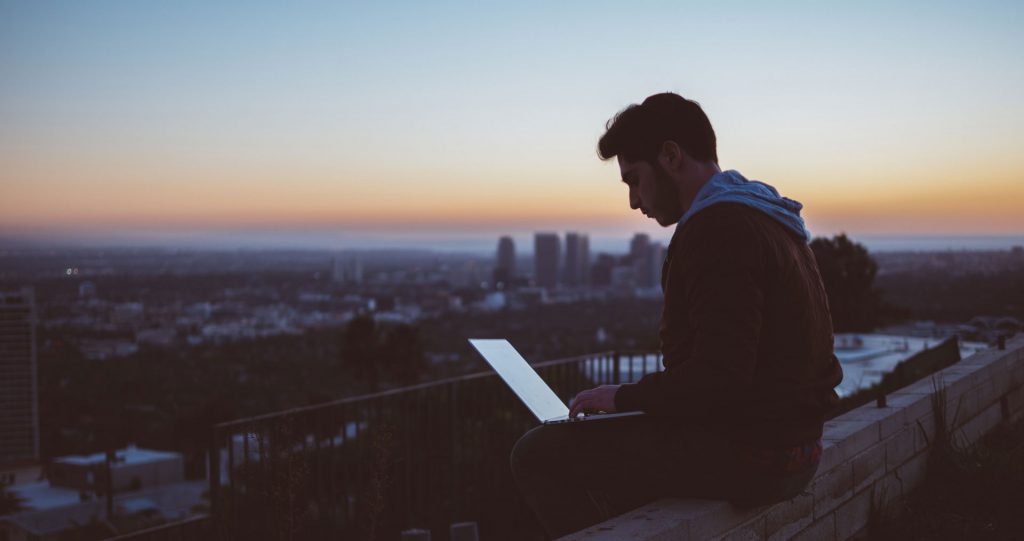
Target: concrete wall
872, 457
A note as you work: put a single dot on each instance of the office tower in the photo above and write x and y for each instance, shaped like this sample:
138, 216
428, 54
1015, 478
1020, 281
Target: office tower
546, 255
638, 246
338, 274
347, 271
642, 254
505, 269
357, 271
583, 267
577, 259
19, 402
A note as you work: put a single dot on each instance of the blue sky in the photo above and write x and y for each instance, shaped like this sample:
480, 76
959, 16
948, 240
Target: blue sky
450, 116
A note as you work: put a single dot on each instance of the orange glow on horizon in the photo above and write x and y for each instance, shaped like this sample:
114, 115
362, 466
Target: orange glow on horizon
397, 199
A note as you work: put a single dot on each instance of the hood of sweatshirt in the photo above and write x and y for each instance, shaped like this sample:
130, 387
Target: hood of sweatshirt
731, 187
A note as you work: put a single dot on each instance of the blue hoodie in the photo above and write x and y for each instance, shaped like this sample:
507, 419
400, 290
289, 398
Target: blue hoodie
731, 187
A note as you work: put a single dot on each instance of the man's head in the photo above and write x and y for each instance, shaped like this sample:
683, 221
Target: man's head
666, 152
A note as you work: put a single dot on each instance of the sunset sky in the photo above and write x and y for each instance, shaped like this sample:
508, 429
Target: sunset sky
448, 118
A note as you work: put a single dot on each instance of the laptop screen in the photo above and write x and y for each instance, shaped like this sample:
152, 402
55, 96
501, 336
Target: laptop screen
522, 378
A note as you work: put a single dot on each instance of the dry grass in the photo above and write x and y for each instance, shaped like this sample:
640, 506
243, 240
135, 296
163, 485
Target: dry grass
973, 492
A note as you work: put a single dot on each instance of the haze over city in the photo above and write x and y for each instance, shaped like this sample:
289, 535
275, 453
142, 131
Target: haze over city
337, 125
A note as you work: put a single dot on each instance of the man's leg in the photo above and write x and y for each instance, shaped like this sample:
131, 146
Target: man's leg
577, 474
574, 475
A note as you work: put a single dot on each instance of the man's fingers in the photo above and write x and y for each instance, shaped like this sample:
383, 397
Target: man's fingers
581, 403
578, 405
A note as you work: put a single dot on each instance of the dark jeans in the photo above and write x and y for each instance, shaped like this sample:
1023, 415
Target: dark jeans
575, 475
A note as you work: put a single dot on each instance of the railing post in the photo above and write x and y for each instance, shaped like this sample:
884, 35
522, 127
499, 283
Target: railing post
214, 472
453, 420
615, 367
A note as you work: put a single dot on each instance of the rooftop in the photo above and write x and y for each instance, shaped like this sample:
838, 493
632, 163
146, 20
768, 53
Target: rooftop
171, 501
131, 455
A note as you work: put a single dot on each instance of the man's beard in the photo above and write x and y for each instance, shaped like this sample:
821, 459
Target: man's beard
666, 209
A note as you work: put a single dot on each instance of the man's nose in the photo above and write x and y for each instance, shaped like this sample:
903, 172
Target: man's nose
634, 199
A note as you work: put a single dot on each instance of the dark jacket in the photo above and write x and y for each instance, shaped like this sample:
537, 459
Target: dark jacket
746, 332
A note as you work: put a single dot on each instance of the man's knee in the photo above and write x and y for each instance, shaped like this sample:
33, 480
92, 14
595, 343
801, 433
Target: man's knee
534, 449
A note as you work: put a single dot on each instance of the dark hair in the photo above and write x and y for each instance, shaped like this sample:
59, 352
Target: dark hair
638, 131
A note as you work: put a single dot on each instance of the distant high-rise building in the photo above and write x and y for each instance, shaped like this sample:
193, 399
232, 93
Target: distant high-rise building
357, 271
638, 246
577, 259
347, 271
19, 395
505, 269
546, 255
644, 258
338, 270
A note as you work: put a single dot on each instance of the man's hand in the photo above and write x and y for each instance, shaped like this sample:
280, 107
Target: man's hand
593, 400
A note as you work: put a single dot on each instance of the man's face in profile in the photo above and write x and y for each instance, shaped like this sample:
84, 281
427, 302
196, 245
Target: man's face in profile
651, 190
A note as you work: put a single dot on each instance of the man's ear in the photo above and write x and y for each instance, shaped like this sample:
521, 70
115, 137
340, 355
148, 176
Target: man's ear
671, 157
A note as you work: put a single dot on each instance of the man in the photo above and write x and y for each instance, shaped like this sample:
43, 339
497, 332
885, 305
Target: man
746, 338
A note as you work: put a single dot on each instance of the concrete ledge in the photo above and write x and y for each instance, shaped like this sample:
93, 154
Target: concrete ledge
871, 457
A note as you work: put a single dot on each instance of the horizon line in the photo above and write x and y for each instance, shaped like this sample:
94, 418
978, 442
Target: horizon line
462, 242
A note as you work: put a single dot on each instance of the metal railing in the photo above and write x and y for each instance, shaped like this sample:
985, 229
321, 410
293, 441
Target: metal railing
368, 467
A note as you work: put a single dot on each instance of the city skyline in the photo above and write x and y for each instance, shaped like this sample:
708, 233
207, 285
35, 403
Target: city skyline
466, 243
152, 122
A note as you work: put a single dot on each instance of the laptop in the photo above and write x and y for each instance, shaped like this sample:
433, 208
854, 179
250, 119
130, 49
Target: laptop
526, 383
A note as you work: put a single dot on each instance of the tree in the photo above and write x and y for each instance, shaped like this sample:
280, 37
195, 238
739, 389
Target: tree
402, 353
848, 272
360, 349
